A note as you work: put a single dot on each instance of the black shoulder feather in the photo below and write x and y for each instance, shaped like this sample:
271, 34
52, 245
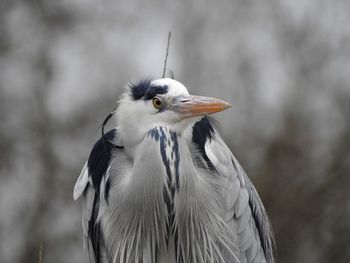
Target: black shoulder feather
203, 131
98, 163
100, 157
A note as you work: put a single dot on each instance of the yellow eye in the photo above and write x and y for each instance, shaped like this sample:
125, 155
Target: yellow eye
157, 103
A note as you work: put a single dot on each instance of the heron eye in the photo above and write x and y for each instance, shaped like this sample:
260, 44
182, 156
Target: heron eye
157, 103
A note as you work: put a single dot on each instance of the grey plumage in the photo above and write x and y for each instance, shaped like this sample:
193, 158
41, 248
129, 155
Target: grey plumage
180, 196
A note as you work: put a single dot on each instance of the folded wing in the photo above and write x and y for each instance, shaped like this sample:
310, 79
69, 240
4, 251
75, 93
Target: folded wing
243, 209
93, 185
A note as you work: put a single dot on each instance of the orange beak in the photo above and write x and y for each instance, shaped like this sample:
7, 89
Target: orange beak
191, 106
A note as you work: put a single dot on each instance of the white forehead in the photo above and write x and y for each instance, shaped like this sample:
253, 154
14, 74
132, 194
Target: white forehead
175, 88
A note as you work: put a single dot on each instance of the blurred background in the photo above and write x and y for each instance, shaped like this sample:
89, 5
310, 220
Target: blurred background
284, 66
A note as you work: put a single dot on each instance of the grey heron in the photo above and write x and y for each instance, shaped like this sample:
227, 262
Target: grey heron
164, 187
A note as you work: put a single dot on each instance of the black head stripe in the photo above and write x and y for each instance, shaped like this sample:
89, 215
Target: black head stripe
144, 89
139, 89
154, 90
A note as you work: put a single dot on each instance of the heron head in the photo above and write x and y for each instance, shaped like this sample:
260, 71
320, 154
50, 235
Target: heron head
162, 102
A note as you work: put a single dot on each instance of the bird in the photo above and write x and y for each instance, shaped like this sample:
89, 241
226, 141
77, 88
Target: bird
163, 186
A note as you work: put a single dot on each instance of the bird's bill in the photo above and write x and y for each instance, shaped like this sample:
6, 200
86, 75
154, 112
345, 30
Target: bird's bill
191, 106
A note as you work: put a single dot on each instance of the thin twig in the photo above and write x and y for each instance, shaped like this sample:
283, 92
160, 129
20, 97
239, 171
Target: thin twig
166, 54
41, 252
172, 74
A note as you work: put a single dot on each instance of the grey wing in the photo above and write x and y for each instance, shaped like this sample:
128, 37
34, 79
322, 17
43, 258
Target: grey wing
243, 209
93, 185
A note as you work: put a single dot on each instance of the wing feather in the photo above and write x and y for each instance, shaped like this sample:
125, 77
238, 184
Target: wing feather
93, 185
243, 209
242, 222
242, 202
81, 183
